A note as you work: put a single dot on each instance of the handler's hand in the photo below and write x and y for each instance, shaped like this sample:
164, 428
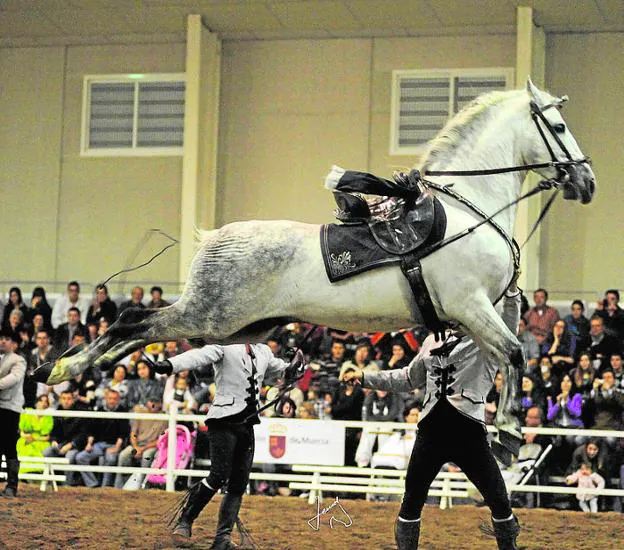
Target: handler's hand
352, 376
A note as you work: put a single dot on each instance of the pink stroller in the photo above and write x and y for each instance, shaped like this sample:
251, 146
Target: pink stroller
185, 444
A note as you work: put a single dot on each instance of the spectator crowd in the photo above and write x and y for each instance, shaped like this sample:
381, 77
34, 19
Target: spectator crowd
573, 378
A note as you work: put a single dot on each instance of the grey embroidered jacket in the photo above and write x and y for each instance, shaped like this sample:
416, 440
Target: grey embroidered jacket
465, 376
232, 366
12, 370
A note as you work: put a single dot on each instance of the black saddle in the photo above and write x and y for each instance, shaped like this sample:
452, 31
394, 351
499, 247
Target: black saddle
366, 243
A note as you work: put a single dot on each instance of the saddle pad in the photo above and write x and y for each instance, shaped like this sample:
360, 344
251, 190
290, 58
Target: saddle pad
351, 249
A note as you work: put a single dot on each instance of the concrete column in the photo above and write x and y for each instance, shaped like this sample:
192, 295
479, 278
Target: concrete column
201, 118
530, 62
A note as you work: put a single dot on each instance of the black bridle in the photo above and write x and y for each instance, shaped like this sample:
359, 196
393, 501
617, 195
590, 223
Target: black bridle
537, 115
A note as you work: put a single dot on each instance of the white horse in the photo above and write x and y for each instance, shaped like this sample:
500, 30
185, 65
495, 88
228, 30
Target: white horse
248, 277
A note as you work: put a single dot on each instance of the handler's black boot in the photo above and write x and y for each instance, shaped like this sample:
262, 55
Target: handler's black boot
192, 504
12, 478
506, 533
406, 534
228, 512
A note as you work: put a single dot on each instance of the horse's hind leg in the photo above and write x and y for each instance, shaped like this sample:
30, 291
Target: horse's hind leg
134, 328
502, 348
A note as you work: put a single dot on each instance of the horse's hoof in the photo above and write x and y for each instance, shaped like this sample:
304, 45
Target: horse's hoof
51, 373
41, 373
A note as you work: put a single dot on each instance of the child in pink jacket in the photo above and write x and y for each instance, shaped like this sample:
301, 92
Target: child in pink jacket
586, 480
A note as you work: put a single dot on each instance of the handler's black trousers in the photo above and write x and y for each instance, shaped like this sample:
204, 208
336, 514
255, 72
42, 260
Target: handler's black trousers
231, 455
446, 435
9, 433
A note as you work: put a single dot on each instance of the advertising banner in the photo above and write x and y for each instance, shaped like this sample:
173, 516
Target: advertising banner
291, 441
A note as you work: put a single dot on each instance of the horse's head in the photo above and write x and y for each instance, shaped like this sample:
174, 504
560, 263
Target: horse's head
553, 142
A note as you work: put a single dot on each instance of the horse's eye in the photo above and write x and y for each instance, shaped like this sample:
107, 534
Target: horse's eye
559, 128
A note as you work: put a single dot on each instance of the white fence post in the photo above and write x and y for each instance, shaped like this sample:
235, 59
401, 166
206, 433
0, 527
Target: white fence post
171, 445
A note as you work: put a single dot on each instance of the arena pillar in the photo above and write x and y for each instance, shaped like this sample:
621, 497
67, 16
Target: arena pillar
201, 118
530, 62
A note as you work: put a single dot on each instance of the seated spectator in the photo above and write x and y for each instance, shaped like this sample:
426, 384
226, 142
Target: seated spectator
181, 394
379, 406
296, 395
611, 313
102, 307
15, 303
16, 329
39, 306
144, 388
105, 439
325, 371
541, 317
615, 362
69, 434
492, 399
361, 359
83, 387
136, 300
591, 452
118, 383
92, 332
172, 348
399, 357
66, 332
103, 326
530, 347
585, 478
578, 324
157, 301
321, 404
37, 325
70, 300
583, 376
602, 345
396, 451
43, 353
143, 443
532, 394
534, 418
34, 433
608, 406
564, 411
549, 382
286, 408
347, 404
560, 347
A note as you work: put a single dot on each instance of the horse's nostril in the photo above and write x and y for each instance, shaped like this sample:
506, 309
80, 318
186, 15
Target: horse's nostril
592, 186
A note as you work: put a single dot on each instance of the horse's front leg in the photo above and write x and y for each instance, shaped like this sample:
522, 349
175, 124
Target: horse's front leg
501, 347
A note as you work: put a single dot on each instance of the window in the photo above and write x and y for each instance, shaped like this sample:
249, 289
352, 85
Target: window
423, 101
133, 115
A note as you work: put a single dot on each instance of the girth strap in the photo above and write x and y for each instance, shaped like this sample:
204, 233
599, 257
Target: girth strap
411, 268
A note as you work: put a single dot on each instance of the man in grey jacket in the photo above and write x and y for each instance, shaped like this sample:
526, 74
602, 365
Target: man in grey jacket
240, 371
12, 370
451, 426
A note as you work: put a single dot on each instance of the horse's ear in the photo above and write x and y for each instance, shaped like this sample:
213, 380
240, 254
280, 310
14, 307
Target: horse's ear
532, 89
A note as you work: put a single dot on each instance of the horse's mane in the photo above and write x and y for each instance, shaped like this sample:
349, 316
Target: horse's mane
466, 123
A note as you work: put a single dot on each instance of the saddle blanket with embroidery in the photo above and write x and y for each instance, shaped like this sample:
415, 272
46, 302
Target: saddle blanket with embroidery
350, 249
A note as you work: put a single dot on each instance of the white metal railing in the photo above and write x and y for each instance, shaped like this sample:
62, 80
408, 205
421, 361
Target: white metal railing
171, 472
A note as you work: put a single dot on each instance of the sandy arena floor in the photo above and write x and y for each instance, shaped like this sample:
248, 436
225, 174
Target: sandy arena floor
103, 519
